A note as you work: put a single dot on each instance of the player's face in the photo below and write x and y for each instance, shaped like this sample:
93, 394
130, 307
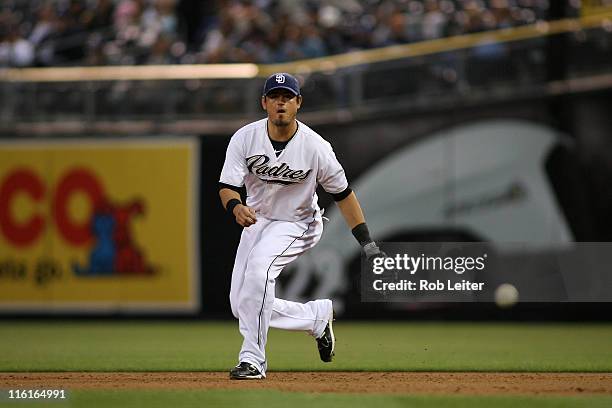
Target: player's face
282, 106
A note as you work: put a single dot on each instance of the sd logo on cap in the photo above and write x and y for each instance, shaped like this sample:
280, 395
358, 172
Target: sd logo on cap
282, 80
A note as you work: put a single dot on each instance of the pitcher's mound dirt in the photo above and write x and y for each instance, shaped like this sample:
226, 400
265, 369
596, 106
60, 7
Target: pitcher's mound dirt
344, 382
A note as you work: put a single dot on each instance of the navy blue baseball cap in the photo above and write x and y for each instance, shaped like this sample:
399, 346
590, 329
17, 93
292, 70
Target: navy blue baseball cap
282, 80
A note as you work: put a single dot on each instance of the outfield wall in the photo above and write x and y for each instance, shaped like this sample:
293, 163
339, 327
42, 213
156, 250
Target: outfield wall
181, 287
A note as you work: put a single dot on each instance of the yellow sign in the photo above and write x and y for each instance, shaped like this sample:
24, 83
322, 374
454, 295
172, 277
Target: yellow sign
90, 225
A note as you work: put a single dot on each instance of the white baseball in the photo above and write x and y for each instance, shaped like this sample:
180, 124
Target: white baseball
506, 295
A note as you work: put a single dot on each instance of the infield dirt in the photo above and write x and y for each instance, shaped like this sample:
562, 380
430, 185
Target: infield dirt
469, 383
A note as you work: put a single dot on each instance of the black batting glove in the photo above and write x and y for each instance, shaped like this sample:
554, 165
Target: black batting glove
372, 251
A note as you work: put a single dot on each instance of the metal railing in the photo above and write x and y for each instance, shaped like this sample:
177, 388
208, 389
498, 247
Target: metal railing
488, 66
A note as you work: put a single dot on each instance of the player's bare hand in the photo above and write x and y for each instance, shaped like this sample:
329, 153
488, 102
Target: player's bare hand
245, 216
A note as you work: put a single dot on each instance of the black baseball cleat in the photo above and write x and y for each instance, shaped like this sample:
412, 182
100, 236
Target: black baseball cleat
245, 371
327, 342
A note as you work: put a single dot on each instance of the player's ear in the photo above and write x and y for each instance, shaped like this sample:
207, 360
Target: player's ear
263, 102
298, 101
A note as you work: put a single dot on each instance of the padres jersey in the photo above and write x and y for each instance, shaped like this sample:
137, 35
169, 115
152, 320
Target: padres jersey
283, 187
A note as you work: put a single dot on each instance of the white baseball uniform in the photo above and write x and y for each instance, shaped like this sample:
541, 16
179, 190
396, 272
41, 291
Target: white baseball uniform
282, 191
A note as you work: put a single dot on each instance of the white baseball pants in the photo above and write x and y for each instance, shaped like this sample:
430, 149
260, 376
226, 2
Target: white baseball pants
265, 249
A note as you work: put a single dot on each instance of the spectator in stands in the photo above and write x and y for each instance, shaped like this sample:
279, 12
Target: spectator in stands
15, 50
42, 34
71, 34
434, 21
256, 48
160, 51
100, 16
391, 30
312, 43
219, 41
261, 31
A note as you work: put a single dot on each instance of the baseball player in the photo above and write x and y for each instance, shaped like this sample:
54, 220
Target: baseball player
281, 161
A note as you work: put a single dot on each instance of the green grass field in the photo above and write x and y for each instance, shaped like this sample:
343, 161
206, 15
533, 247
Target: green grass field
278, 399
195, 346
205, 346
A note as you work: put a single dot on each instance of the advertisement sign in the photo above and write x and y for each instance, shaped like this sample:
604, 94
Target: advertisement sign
99, 225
